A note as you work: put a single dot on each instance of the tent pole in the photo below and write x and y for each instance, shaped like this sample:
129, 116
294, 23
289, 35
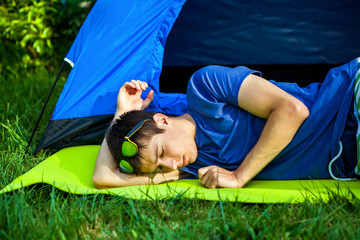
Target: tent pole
43, 109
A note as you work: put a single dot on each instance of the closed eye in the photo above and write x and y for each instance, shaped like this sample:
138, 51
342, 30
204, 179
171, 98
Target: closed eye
159, 168
162, 152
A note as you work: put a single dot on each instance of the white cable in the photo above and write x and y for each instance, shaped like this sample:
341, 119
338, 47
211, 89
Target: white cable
333, 160
357, 112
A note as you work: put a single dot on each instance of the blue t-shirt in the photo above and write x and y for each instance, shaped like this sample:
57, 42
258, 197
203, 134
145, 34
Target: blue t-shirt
225, 133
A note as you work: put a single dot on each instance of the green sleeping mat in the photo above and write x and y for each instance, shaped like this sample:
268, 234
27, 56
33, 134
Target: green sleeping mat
71, 170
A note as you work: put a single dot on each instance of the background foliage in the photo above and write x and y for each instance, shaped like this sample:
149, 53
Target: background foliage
38, 33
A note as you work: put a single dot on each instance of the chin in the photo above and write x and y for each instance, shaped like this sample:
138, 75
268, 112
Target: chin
193, 155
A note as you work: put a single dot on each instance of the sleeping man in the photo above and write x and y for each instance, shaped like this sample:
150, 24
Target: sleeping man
238, 126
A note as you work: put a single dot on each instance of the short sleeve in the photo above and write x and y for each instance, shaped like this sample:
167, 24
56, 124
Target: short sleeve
218, 83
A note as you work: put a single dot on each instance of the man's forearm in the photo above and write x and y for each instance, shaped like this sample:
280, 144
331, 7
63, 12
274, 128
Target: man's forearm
279, 130
113, 179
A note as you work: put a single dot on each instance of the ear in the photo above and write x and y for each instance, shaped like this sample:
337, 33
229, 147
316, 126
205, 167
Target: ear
162, 120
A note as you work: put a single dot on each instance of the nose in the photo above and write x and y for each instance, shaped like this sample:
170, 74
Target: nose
169, 164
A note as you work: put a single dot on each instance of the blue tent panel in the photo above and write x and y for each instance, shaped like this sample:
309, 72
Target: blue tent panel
118, 42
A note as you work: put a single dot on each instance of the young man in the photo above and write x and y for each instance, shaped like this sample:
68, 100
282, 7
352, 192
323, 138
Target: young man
238, 126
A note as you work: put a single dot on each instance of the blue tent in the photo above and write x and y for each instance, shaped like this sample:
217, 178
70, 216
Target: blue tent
119, 41
122, 40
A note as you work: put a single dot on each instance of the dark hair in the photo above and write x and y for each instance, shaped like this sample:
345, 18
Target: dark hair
115, 135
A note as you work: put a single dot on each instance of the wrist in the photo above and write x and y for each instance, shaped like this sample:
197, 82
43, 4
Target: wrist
119, 112
166, 177
241, 178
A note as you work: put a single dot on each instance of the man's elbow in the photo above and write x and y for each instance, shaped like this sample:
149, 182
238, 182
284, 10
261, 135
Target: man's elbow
294, 110
298, 111
100, 181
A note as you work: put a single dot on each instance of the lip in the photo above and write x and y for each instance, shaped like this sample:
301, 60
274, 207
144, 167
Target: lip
184, 161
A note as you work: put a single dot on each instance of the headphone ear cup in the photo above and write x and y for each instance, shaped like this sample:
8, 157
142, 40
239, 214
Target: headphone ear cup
128, 149
125, 167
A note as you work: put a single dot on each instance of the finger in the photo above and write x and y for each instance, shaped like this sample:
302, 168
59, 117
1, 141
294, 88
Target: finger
129, 88
202, 171
206, 176
204, 179
143, 85
148, 99
137, 84
211, 183
212, 178
150, 96
208, 180
129, 85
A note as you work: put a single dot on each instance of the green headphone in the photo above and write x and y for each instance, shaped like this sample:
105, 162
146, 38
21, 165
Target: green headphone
129, 148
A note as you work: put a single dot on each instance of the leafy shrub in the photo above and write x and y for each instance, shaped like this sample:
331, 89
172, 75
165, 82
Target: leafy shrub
38, 32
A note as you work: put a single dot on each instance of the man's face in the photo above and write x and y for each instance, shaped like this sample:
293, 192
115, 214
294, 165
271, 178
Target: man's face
169, 151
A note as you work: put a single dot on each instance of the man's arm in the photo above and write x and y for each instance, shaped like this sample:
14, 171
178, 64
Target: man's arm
107, 173
284, 114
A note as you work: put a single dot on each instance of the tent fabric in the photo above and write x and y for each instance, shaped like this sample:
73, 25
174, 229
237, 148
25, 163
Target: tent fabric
241, 32
119, 41
71, 170
122, 40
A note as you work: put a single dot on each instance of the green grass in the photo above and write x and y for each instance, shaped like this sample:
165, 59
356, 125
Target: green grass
44, 212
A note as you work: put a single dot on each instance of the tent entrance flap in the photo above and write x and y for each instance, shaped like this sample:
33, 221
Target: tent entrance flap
119, 41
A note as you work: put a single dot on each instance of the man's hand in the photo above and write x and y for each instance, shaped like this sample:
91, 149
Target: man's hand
213, 176
129, 97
